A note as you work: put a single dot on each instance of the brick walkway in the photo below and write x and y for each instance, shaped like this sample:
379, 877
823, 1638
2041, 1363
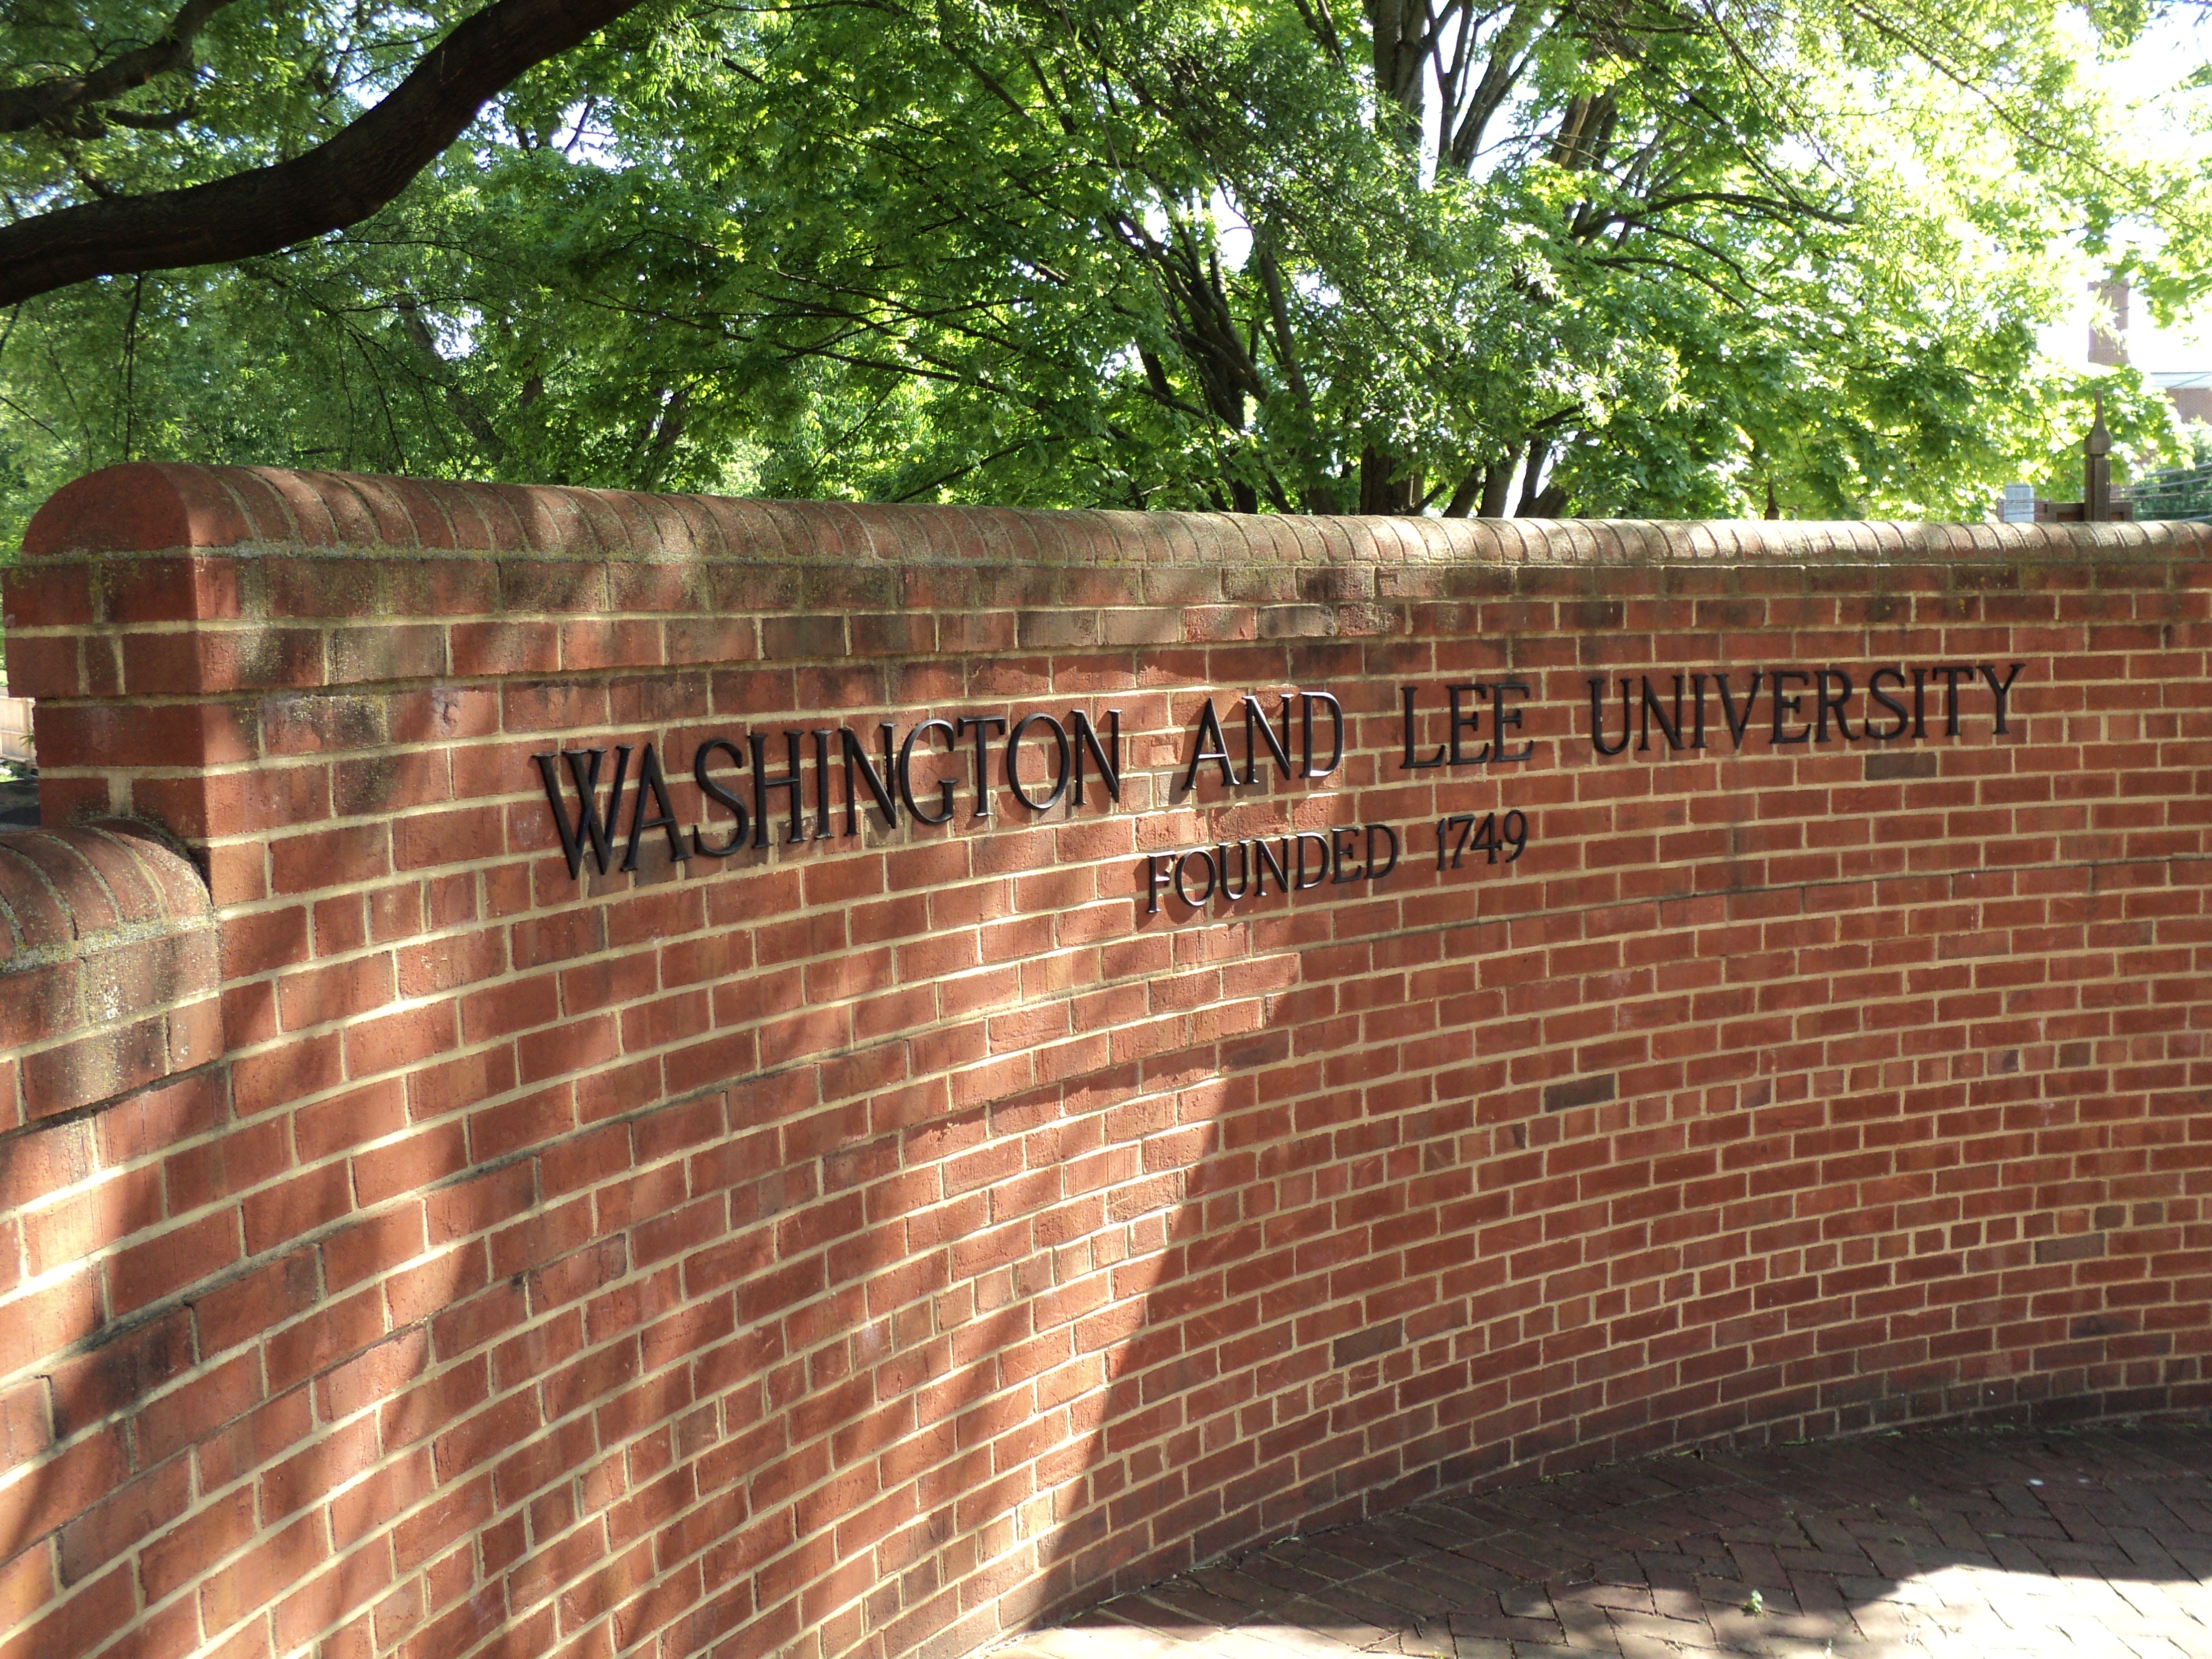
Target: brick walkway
2062, 1546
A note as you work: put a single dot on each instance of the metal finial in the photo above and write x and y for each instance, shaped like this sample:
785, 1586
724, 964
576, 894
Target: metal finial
2099, 442
2097, 470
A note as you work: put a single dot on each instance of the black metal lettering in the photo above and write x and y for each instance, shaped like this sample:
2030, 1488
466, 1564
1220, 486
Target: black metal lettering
1785, 705
1919, 702
728, 802
1875, 694
794, 783
1340, 849
1462, 822
1243, 869
1209, 726
882, 786
1014, 765
822, 821
1651, 710
1182, 892
1271, 859
1156, 879
1109, 769
1698, 696
1826, 703
906, 773
1597, 718
651, 782
1414, 762
1391, 835
1299, 883
2001, 690
984, 725
1952, 672
1463, 722
1256, 729
1501, 718
1738, 727
1307, 699
590, 828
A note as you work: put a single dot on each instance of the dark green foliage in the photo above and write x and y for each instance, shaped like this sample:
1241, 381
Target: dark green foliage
1167, 252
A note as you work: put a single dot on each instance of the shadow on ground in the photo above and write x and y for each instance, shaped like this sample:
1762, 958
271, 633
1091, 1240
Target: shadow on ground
1984, 1544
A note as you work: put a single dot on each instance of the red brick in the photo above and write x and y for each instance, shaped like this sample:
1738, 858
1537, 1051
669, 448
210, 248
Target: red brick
120, 1372
393, 1040
65, 1486
41, 1323
335, 1329
329, 857
90, 1219
344, 1121
240, 1309
277, 1559
343, 991
123, 1517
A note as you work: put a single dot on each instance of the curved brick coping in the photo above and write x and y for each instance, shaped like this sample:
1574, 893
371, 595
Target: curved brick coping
148, 507
108, 968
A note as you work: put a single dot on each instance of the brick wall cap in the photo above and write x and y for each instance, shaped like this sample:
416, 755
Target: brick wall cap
158, 507
73, 892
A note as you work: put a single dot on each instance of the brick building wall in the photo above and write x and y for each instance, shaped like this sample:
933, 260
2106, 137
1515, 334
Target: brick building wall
868, 1243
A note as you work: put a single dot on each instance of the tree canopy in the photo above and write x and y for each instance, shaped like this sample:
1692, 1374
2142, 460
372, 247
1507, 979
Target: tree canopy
1552, 257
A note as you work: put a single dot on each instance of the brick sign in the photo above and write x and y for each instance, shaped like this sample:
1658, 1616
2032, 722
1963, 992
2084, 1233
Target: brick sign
590, 1074
1804, 706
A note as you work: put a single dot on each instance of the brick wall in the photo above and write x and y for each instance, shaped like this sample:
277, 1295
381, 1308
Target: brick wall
867, 1244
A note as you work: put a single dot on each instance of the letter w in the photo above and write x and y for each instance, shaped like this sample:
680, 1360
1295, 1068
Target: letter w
592, 827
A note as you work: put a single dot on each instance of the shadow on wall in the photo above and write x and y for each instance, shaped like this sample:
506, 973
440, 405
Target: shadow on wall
825, 1352
1365, 1300
1365, 1270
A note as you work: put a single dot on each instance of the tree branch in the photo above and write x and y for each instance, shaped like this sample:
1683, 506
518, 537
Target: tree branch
464, 408
337, 184
24, 107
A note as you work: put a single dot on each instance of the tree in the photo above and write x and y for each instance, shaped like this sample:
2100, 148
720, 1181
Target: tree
1598, 256
1604, 256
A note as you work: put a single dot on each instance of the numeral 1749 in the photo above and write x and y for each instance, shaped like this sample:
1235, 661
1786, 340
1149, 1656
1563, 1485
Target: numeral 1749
1491, 836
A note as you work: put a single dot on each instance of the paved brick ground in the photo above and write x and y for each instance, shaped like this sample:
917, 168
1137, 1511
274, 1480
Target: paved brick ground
2079, 1544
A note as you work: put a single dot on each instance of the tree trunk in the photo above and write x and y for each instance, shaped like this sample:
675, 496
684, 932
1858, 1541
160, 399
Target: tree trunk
1497, 488
1383, 490
1539, 451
